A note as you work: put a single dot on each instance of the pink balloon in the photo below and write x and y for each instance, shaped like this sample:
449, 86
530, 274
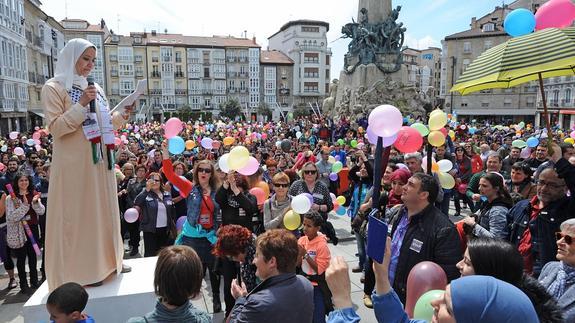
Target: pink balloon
525, 153
370, 135
250, 168
423, 277
572, 135
408, 140
216, 144
131, 215
18, 151
173, 127
259, 194
36, 135
555, 14
117, 141
385, 120
38, 147
388, 141
264, 136
443, 131
13, 135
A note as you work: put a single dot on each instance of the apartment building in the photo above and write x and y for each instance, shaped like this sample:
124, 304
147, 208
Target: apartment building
277, 79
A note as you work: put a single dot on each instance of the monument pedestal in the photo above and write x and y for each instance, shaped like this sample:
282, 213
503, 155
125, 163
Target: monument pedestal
119, 298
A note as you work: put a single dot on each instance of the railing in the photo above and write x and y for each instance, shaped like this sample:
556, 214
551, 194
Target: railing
179, 74
155, 59
138, 59
166, 59
155, 74
231, 90
178, 59
284, 91
139, 74
181, 92
311, 75
207, 92
155, 92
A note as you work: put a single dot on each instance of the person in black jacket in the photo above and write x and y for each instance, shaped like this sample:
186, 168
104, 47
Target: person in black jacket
534, 222
238, 207
420, 232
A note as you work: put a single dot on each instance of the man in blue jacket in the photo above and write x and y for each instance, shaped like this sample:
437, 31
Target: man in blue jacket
282, 296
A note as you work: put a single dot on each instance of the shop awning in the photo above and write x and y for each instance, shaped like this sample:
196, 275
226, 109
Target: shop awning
38, 113
567, 111
496, 112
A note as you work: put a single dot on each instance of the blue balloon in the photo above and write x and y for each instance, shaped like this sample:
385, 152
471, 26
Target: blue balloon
519, 22
532, 142
341, 210
176, 145
472, 130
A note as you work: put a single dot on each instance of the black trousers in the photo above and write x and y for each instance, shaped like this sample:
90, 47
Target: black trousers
27, 252
154, 241
369, 283
230, 271
134, 231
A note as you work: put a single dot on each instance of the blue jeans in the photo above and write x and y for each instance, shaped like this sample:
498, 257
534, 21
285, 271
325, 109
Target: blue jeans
360, 249
318, 306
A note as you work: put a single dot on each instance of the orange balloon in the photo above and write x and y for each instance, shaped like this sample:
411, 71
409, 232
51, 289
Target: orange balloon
265, 187
435, 167
190, 144
228, 141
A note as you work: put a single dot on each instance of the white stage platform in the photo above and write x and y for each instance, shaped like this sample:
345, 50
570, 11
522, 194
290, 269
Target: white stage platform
119, 298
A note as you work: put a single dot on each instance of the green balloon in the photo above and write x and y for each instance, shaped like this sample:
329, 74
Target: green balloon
519, 144
421, 128
336, 167
423, 309
354, 143
340, 141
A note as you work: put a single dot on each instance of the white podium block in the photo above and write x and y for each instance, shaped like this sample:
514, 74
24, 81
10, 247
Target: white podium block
119, 298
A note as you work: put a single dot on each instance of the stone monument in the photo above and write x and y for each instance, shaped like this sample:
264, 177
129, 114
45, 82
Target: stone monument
372, 65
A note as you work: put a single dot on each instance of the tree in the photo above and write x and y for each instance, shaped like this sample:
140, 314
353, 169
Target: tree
265, 110
300, 111
231, 109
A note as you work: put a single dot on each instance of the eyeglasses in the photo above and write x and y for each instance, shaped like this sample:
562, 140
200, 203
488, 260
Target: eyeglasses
204, 170
310, 172
549, 184
281, 185
567, 238
155, 180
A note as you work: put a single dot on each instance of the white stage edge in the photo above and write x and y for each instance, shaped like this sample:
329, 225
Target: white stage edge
119, 298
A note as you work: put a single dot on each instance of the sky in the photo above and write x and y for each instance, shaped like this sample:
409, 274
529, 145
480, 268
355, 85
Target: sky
427, 21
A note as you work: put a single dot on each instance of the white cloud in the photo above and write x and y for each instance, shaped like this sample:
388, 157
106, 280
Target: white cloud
421, 43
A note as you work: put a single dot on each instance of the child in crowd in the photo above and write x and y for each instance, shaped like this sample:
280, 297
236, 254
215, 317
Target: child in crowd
314, 258
66, 303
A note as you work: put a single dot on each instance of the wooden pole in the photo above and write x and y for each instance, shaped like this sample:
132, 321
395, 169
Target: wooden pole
545, 112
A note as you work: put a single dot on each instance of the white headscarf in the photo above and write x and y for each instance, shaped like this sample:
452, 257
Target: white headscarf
65, 73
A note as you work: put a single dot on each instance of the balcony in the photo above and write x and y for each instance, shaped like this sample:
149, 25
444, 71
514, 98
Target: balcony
114, 73
181, 92
243, 60
232, 90
244, 75
243, 90
166, 59
155, 92
138, 58
232, 74
179, 74
554, 103
155, 74
113, 58
178, 59
139, 74
311, 75
231, 59
565, 102
207, 92
284, 91
115, 92
155, 59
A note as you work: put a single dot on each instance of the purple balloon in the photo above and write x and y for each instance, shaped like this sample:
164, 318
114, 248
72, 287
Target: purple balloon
309, 196
180, 222
336, 157
388, 141
371, 137
333, 177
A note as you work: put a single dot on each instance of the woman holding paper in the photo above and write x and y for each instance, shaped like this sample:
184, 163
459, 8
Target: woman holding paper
83, 242
24, 205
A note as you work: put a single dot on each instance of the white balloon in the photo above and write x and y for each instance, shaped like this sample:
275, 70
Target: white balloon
300, 204
445, 165
223, 163
151, 142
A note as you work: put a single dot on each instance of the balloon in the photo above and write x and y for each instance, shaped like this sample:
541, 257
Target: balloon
521, 125
341, 211
333, 177
298, 134
38, 147
570, 141
423, 277
180, 223
331, 159
340, 142
216, 144
532, 142
333, 197
239, 157
285, 145
555, 14
421, 128
190, 144
408, 140
525, 153
207, 143
434, 167
292, 220
436, 138
423, 309
437, 120
138, 136
13, 135
250, 168
451, 134
519, 143
228, 141
371, 136
173, 127
265, 187
300, 204
572, 134
340, 200
18, 151
131, 215
472, 130
259, 194
4, 148
385, 120
445, 165
446, 180
336, 167
462, 188
309, 196
36, 135
223, 163
337, 158
353, 143
388, 141
176, 145
30, 142
519, 22
335, 206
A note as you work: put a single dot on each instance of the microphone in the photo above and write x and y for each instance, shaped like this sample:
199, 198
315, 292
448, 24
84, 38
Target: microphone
93, 102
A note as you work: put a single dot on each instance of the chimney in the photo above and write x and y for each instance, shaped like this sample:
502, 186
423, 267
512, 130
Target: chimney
473, 23
254, 39
153, 33
102, 23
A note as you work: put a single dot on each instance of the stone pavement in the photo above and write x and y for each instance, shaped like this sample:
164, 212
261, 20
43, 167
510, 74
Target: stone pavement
11, 301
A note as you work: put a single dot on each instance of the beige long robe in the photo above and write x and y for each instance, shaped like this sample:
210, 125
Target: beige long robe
83, 242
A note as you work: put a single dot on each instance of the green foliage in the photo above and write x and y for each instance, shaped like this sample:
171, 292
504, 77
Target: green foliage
231, 109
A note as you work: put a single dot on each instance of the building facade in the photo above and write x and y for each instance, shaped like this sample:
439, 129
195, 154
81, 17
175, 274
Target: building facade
14, 97
305, 43
277, 79
460, 49
45, 39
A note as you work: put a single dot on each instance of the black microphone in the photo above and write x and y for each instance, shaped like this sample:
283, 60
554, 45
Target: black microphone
93, 102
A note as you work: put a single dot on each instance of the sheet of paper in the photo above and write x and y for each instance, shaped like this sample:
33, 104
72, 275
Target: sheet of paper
130, 99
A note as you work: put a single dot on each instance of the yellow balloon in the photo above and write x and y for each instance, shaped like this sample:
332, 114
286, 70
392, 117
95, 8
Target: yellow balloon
228, 141
190, 144
435, 167
451, 134
331, 159
446, 180
436, 138
292, 220
570, 141
437, 121
239, 157
340, 200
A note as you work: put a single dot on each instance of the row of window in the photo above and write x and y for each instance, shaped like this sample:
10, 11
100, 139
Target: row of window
13, 59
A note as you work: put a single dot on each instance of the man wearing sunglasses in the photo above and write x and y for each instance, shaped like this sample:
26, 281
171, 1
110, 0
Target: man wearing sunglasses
534, 222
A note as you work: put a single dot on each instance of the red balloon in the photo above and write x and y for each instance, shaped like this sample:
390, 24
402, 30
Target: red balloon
423, 277
408, 140
259, 194
443, 131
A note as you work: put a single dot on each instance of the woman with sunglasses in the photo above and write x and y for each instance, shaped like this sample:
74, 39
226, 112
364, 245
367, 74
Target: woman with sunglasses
156, 211
276, 206
558, 277
321, 198
464, 172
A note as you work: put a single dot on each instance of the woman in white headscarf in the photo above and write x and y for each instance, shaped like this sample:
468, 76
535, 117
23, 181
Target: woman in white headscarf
83, 242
